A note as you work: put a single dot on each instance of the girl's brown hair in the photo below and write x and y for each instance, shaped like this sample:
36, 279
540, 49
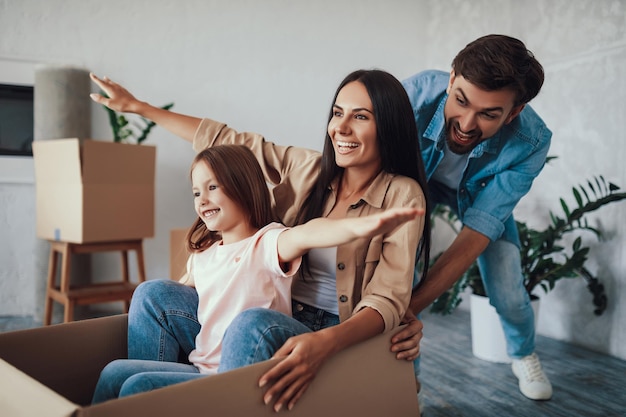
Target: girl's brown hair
240, 177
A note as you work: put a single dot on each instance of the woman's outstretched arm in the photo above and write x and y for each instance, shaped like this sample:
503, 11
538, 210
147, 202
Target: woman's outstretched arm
121, 100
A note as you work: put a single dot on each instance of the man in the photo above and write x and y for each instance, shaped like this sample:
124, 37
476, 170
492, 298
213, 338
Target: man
483, 146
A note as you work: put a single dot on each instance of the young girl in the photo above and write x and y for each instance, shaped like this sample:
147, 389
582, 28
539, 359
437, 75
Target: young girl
240, 259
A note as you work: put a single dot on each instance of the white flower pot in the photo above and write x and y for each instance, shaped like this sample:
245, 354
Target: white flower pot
488, 341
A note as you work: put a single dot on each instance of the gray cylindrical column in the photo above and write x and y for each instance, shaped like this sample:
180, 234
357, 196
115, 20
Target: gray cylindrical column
62, 103
61, 110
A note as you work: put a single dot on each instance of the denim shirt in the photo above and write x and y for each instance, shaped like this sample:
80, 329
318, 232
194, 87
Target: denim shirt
499, 171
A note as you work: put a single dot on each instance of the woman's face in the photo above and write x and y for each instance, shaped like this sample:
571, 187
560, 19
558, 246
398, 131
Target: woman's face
352, 129
218, 211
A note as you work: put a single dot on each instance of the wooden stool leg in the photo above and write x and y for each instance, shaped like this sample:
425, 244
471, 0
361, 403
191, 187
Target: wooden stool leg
66, 254
52, 271
125, 276
140, 262
141, 269
69, 311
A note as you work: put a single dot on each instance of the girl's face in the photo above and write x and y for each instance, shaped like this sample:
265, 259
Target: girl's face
218, 211
352, 129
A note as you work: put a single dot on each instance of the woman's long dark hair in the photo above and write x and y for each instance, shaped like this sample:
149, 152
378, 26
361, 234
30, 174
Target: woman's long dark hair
398, 146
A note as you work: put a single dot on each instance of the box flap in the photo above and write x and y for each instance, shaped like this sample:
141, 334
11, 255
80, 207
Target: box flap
66, 358
117, 163
21, 395
57, 161
59, 212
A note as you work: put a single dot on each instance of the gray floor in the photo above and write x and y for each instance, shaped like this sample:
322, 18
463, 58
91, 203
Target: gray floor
455, 383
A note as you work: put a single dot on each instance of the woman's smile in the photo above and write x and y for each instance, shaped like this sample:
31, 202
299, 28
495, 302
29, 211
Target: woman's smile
344, 147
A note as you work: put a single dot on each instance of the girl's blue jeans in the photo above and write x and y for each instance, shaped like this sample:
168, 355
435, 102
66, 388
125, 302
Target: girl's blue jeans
162, 327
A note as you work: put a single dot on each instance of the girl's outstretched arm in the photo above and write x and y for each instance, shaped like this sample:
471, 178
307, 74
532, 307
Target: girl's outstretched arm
323, 232
121, 100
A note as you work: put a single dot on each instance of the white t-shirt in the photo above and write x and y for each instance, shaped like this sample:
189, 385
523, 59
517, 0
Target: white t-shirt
233, 278
450, 169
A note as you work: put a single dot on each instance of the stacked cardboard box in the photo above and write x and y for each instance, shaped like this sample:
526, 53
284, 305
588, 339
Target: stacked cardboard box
94, 191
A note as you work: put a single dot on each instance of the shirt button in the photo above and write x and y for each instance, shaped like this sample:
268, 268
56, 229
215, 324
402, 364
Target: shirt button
341, 266
482, 184
343, 298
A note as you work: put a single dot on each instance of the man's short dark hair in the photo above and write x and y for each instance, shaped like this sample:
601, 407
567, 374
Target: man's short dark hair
497, 62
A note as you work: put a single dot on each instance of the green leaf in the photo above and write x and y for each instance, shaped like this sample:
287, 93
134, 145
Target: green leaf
579, 200
565, 208
124, 131
592, 189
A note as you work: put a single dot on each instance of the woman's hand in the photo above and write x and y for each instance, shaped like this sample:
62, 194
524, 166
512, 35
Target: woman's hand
119, 98
288, 380
406, 343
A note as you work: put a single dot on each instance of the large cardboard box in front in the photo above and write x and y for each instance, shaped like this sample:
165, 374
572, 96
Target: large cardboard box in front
52, 371
94, 191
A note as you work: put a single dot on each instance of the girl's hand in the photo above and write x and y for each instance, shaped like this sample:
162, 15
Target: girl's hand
288, 380
385, 221
119, 98
406, 343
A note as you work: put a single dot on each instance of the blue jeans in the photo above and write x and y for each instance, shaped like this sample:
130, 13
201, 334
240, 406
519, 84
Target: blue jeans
163, 324
256, 334
501, 271
162, 328
163, 321
124, 377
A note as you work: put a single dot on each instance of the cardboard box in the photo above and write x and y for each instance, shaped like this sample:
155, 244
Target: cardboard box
178, 253
94, 191
52, 371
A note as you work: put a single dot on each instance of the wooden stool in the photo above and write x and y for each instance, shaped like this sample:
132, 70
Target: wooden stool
92, 293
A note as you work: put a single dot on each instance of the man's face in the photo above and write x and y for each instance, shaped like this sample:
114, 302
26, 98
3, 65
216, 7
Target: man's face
473, 115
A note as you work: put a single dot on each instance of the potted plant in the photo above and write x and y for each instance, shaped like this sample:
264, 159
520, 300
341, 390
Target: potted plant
123, 130
544, 255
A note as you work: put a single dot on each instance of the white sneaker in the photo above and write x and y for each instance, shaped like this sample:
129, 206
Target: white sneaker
533, 383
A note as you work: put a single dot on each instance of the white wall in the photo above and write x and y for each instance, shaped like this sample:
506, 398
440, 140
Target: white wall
272, 67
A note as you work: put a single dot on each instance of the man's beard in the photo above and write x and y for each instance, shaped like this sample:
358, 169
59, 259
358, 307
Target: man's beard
456, 147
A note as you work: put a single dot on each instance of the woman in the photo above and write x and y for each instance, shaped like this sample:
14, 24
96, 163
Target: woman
368, 164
